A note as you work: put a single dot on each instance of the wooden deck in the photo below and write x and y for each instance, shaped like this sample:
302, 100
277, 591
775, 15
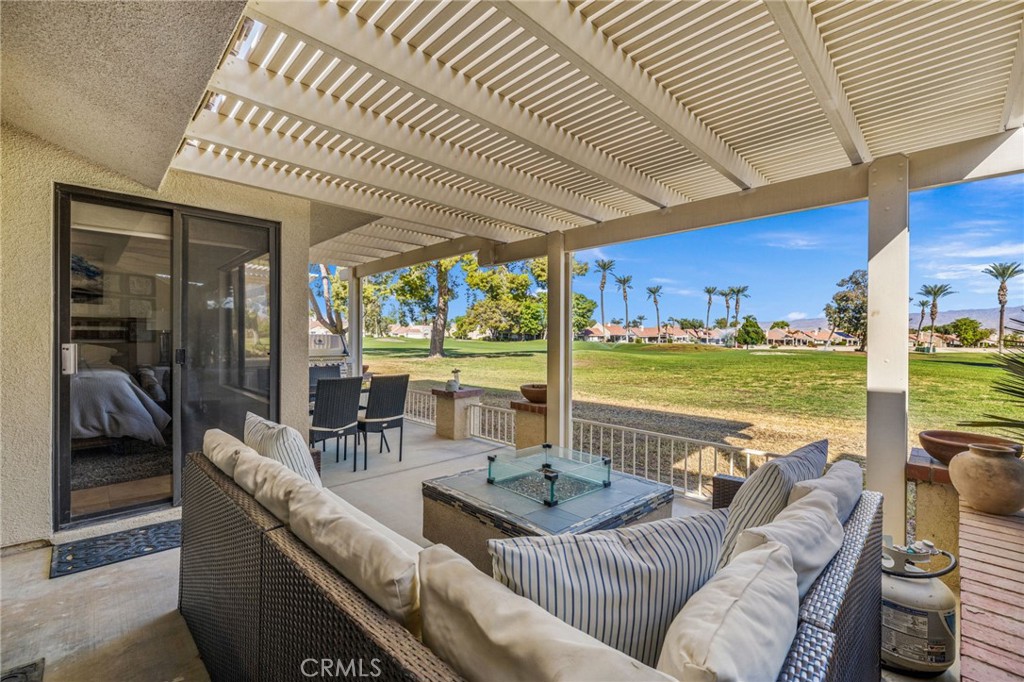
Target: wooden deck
991, 596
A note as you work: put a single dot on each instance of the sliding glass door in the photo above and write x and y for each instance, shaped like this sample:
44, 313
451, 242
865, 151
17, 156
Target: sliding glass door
230, 326
166, 323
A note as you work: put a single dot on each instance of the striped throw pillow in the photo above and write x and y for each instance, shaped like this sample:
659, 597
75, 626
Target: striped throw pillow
281, 443
766, 492
623, 586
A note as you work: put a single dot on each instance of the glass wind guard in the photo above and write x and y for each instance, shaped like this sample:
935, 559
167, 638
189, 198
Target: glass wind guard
549, 474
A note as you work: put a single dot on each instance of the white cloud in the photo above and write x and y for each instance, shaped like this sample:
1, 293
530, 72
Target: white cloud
663, 280
961, 249
797, 241
678, 291
794, 316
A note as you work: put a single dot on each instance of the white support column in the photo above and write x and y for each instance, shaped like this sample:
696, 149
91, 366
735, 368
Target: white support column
355, 322
888, 311
559, 415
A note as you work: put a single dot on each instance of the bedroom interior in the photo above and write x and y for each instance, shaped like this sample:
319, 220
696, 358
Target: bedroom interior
149, 287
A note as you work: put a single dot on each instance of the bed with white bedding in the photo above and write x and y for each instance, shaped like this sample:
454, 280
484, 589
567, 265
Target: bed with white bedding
107, 403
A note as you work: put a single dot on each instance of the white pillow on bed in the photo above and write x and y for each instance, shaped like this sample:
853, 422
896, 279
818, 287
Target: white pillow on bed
92, 355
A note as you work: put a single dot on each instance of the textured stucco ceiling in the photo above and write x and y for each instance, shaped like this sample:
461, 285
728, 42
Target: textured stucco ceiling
116, 82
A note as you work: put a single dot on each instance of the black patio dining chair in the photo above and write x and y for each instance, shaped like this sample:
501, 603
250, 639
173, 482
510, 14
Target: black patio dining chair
336, 413
316, 373
385, 409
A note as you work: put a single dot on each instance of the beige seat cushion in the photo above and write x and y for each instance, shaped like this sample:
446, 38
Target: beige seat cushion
223, 449
376, 560
809, 528
489, 634
844, 479
251, 467
740, 625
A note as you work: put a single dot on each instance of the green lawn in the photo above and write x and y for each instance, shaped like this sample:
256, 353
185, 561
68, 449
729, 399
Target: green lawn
808, 391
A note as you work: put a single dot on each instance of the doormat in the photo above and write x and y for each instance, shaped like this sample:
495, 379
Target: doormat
75, 557
33, 672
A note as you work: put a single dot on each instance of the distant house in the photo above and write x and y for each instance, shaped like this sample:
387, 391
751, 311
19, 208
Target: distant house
615, 333
779, 337
415, 331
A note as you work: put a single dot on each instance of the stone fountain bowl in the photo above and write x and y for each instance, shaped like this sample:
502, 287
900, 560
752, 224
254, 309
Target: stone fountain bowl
535, 393
945, 445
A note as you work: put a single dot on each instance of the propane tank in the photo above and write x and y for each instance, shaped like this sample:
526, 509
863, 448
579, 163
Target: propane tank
918, 610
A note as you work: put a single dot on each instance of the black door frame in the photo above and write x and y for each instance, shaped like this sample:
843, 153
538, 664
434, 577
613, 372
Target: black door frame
61, 431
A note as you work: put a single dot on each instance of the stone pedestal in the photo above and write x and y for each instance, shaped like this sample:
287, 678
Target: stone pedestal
531, 423
452, 418
935, 507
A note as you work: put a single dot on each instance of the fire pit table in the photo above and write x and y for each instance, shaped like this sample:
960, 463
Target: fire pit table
538, 491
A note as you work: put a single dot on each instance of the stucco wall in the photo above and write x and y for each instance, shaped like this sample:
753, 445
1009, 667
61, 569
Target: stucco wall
29, 167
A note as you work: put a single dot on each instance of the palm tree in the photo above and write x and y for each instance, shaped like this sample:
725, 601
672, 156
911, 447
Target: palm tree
727, 295
625, 283
604, 266
934, 292
653, 293
710, 291
738, 293
923, 304
1003, 272
640, 319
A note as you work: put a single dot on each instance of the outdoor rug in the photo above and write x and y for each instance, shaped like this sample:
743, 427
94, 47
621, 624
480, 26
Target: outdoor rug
33, 672
75, 557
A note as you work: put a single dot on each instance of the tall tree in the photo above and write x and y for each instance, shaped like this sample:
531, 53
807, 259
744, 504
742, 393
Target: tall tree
1003, 272
726, 294
750, 334
653, 293
604, 266
625, 283
328, 287
640, 319
848, 310
934, 292
428, 288
711, 292
923, 305
738, 293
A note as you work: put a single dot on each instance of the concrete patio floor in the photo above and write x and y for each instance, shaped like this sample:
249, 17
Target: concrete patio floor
120, 622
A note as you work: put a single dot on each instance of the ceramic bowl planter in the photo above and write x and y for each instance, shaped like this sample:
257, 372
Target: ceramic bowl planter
990, 478
535, 393
945, 445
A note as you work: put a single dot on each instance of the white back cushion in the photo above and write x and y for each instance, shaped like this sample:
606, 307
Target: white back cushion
740, 625
489, 634
282, 443
844, 479
766, 492
223, 450
809, 528
383, 569
623, 586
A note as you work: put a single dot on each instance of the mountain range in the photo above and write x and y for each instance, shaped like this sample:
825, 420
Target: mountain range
988, 317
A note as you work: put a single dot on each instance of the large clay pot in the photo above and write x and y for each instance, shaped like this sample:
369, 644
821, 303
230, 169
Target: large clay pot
990, 478
535, 393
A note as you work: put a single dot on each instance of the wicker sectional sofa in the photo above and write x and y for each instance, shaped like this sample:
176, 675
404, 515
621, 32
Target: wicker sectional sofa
262, 606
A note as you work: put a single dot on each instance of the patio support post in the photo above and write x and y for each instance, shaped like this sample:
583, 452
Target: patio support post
559, 340
355, 322
887, 314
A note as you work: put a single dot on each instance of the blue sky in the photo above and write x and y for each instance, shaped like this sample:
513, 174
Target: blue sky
791, 263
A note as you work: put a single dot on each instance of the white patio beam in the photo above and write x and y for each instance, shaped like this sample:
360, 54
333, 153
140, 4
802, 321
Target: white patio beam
344, 35
328, 258
449, 249
1013, 108
229, 132
559, 342
795, 22
359, 250
887, 313
378, 232
223, 167
355, 323
242, 80
585, 47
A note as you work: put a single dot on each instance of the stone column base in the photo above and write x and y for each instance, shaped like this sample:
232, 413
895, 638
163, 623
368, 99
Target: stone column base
531, 423
452, 419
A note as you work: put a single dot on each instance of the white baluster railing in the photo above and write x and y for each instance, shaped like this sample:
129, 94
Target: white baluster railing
684, 463
421, 406
497, 424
